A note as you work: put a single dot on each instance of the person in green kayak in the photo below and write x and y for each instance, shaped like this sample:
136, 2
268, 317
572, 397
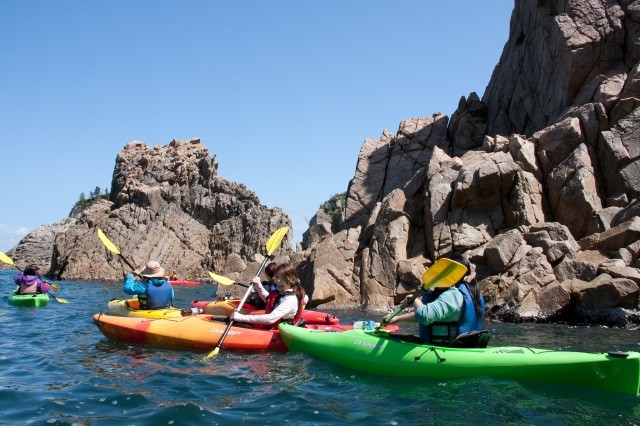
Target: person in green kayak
29, 281
450, 316
286, 303
153, 290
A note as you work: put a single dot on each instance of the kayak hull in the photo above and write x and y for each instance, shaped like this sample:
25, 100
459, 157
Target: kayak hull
196, 332
184, 282
127, 308
35, 300
379, 353
226, 307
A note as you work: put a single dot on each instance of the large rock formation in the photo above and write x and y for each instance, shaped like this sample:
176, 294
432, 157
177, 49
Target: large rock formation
537, 182
167, 203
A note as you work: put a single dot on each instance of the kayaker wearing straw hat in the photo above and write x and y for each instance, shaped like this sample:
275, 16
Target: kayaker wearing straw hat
154, 291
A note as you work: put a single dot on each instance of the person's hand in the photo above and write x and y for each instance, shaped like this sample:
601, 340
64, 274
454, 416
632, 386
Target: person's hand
389, 321
406, 302
256, 281
232, 317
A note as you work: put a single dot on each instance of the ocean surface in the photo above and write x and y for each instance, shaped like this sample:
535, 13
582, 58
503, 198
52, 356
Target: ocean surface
56, 368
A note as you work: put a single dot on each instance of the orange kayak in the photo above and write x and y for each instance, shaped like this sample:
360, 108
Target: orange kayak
224, 308
196, 332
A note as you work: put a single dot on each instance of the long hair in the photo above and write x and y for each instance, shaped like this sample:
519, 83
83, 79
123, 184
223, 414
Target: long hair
472, 285
288, 274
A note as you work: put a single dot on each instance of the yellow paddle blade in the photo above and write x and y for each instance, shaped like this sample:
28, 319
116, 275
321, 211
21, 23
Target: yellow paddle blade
220, 279
276, 239
213, 353
55, 286
6, 259
60, 300
443, 273
108, 244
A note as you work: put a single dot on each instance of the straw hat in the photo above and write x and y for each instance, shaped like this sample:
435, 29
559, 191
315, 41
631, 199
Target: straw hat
153, 270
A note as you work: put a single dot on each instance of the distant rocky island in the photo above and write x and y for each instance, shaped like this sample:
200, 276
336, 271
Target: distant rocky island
537, 183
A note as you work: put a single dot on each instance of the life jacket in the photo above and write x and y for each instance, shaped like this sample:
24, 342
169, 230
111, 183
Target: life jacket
272, 301
443, 333
157, 296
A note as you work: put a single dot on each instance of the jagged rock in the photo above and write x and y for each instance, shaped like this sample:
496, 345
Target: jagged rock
167, 203
555, 240
468, 125
605, 292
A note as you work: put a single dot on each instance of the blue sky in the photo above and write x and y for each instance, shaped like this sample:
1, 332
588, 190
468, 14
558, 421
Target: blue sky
283, 92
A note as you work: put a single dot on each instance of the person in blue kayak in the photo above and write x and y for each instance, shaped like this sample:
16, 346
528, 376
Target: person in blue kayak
255, 299
286, 303
153, 289
29, 281
450, 316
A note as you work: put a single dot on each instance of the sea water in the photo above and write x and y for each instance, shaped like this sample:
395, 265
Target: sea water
56, 368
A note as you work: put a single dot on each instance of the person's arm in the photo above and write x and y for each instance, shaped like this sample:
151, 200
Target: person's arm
43, 286
257, 287
446, 307
288, 307
409, 317
133, 287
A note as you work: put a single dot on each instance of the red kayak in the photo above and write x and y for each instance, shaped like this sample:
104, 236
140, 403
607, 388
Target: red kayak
184, 282
226, 307
196, 332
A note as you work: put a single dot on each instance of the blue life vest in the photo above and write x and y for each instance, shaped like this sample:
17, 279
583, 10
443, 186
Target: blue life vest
158, 294
469, 319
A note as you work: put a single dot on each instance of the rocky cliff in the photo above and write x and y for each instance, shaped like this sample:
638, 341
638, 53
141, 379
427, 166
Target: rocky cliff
166, 203
537, 182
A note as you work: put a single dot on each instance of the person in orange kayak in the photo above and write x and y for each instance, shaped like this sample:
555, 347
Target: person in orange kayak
30, 282
255, 299
286, 304
153, 290
174, 276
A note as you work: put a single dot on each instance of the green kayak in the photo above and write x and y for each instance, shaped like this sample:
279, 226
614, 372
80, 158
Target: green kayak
383, 353
34, 300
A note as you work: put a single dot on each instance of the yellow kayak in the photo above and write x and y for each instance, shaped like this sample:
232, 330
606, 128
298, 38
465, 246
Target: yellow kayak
131, 308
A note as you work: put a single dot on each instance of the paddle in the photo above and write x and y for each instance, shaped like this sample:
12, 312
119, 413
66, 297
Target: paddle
443, 273
6, 259
221, 279
272, 244
113, 249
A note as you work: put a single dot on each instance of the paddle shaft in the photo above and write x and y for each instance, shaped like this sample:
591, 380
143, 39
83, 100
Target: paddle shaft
244, 298
417, 294
128, 264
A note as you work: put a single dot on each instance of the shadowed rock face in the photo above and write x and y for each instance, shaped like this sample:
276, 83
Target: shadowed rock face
167, 203
537, 183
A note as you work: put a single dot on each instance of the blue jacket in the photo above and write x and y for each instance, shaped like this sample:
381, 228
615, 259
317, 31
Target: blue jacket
154, 293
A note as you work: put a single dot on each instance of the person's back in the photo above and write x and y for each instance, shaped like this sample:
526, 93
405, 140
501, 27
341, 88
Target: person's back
154, 291
29, 281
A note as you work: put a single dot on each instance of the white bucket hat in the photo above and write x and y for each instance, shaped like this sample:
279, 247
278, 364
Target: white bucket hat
153, 270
